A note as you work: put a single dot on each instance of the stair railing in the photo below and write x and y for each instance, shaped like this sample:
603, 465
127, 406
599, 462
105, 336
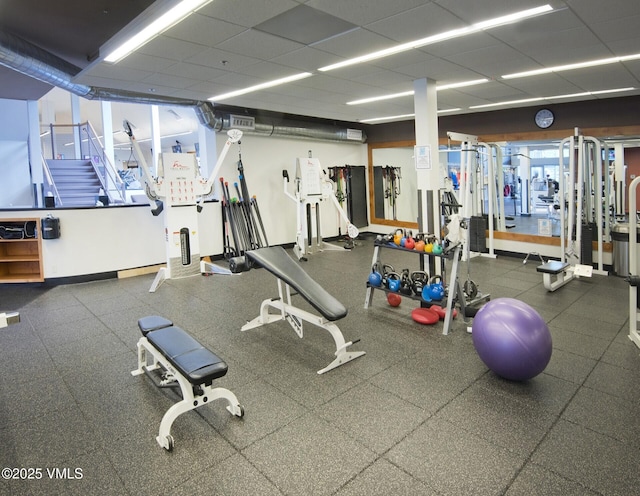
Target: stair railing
50, 187
112, 183
87, 146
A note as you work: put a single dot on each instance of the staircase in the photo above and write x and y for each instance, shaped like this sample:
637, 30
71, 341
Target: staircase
77, 182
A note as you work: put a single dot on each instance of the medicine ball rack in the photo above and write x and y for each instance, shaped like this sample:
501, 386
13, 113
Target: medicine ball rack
454, 292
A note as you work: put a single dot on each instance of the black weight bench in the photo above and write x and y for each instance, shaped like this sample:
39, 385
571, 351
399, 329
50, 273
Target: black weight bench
290, 275
182, 361
554, 274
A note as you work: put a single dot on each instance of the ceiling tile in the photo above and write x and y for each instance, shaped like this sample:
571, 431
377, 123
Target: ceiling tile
170, 48
420, 22
246, 13
252, 43
363, 12
204, 30
305, 25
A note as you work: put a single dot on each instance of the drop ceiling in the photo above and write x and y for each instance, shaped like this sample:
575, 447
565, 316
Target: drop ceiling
232, 44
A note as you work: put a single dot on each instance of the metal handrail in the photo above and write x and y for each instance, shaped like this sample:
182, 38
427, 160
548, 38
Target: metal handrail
50, 183
108, 166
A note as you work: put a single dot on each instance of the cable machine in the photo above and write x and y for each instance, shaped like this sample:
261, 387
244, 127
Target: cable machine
584, 185
312, 187
180, 188
634, 278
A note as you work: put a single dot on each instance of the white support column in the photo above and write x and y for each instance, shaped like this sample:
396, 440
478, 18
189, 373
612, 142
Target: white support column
620, 178
35, 153
75, 119
107, 126
525, 175
156, 144
429, 175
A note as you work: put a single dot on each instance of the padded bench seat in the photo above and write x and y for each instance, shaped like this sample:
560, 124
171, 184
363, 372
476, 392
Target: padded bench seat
553, 267
181, 360
190, 358
153, 323
276, 261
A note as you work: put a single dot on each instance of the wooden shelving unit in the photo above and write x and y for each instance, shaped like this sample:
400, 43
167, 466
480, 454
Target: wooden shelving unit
20, 251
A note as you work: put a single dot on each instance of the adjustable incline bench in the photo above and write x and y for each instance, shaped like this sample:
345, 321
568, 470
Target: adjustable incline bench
291, 275
181, 361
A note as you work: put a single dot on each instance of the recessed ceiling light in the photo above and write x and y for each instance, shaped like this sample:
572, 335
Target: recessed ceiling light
411, 92
165, 21
569, 67
447, 35
262, 86
555, 97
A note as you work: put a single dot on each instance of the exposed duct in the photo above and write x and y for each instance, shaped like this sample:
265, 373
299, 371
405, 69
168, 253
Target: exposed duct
31, 60
292, 129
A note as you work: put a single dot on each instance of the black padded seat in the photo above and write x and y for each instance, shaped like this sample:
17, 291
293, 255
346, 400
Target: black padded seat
553, 267
190, 358
153, 323
281, 265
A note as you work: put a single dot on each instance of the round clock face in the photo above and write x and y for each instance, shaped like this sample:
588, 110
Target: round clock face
544, 118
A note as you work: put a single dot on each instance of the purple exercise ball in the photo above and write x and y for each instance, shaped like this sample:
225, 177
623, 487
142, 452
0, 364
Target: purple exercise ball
512, 339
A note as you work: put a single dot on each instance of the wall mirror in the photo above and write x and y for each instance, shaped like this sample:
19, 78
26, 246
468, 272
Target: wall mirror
530, 166
393, 197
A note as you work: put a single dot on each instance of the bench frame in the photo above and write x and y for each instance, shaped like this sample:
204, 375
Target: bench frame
556, 274
295, 317
192, 396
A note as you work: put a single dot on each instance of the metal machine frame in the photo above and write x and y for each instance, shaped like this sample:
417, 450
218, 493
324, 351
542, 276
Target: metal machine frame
311, 187
179, 187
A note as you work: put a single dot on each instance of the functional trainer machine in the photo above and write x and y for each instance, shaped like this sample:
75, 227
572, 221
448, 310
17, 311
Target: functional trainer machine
180, 188
311, 187
584, 201
634, 277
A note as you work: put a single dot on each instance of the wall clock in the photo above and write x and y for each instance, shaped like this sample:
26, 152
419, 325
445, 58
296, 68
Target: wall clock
544, 118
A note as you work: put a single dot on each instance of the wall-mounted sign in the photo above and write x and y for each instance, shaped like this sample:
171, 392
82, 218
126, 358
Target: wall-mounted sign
422, 156
242, 122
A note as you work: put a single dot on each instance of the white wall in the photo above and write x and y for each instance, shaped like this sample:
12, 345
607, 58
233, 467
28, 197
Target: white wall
97, 240
264, 158
15, 186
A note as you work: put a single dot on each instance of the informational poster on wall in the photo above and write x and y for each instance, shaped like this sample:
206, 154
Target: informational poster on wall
422, 156
544, 227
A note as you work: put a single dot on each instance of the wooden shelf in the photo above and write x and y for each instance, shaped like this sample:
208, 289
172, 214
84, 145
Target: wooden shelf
21, 259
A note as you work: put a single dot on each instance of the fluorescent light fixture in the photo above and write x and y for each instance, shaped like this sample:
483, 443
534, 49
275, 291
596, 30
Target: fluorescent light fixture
447, 35
510, 102
462, 84
161, 24
388, 118
262, 86
381, 98
404, 116
411, 92
555, 97
570, 67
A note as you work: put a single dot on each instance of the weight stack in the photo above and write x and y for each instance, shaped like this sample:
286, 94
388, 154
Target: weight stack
478, 235
586, 244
